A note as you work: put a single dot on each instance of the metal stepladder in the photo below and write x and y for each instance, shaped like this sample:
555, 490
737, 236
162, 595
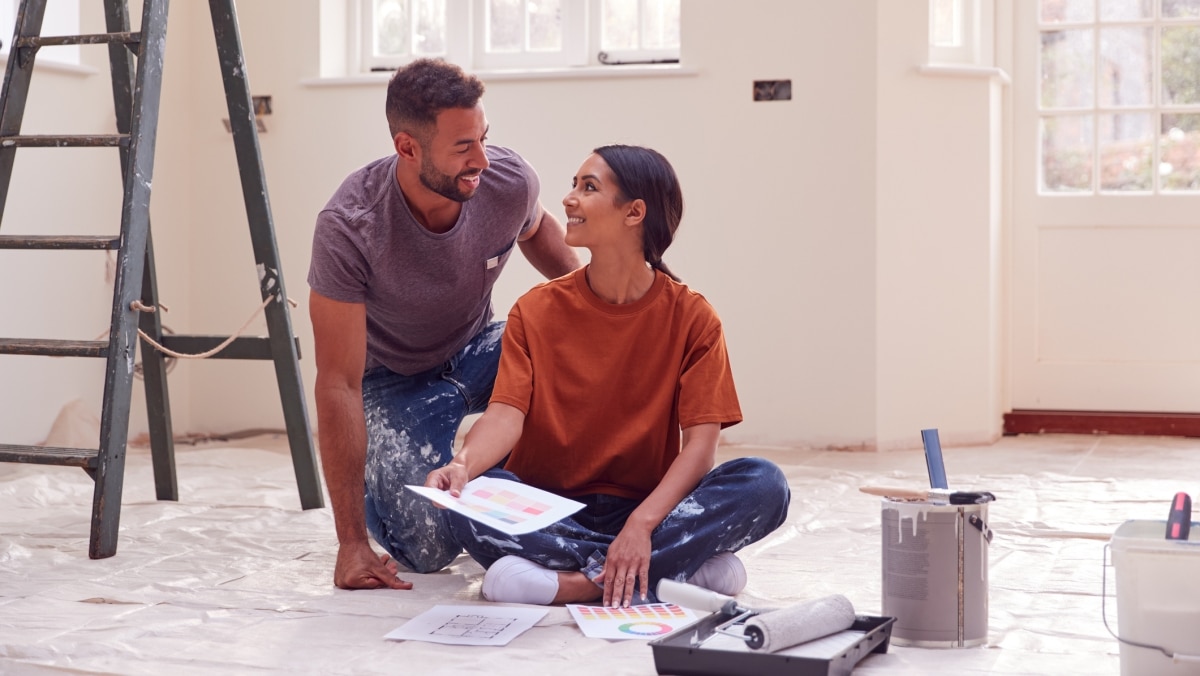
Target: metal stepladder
136, 60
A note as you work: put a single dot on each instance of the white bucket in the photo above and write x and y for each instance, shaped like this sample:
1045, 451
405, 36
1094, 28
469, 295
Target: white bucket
1158, 599
935, 573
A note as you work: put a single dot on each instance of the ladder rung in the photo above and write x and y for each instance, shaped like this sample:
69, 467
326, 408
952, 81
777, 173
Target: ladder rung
54, 348
57, 141
93, 39
49, 455
76, 242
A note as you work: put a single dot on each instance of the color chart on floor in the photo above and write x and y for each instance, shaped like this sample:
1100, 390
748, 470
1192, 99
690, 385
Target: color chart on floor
645, 622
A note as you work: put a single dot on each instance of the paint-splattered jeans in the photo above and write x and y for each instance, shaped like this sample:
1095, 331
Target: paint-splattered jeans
737, 503
411, 425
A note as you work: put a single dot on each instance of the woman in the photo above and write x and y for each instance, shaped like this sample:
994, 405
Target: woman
613, 387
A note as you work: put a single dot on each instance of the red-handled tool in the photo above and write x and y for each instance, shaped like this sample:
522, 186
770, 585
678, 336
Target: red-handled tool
1179, 523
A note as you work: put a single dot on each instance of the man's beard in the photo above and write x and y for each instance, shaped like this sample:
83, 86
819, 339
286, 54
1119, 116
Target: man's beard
444, 184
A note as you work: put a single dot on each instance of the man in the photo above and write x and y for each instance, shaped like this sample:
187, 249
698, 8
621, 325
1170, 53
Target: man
404, 258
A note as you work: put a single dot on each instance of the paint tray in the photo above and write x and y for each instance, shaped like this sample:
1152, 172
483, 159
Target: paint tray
678, 653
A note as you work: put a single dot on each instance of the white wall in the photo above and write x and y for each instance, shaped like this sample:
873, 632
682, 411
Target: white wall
940, 330
802, 220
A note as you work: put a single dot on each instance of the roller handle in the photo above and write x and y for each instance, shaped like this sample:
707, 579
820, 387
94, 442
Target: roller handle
1179, 522
755, 637
696, 598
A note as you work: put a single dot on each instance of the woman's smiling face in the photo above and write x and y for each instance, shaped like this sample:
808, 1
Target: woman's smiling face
594, 205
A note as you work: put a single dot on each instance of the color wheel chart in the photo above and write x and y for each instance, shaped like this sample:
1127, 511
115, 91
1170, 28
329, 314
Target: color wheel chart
646, 621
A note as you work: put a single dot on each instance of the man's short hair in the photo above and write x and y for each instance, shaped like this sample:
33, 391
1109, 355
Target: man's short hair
424, 88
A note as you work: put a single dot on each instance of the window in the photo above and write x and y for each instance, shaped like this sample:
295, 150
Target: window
61, 18
1119, 99
504, 34
954, 31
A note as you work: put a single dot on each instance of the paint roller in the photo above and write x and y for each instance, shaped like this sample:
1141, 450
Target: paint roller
768, 631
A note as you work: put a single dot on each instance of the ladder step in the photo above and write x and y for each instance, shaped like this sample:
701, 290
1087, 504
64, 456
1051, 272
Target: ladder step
60, 141
75, 242
54, 348
50, 455
93, 39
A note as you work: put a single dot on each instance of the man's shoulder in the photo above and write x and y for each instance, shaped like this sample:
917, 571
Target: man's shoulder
503, 155
363, 188
509, 167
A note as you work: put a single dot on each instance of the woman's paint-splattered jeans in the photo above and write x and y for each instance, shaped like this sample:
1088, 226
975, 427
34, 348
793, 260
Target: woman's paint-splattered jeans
411, 425
737, 503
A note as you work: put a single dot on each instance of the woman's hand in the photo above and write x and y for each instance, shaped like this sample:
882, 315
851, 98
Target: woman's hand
450, 478
626, 566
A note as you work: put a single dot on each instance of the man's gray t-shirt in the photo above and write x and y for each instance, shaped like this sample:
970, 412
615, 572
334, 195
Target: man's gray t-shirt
426, 294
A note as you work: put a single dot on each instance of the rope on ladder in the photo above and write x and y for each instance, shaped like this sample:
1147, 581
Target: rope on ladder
137, 305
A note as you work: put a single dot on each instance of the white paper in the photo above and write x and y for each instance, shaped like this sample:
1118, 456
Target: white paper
507, 506
468, 625
648, 621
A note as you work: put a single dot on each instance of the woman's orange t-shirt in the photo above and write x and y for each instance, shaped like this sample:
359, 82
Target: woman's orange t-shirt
606, 388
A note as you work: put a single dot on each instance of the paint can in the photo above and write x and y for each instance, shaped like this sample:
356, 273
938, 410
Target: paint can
935, 573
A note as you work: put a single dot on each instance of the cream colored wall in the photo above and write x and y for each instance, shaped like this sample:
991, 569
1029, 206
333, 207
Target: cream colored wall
801, 225
939, 247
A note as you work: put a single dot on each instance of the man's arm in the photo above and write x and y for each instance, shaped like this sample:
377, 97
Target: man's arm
340, 338
544, 248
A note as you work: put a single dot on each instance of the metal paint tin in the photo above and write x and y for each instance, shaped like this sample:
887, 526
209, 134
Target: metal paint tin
935, 573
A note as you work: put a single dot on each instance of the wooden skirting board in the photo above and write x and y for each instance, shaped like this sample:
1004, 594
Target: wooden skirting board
1025, 421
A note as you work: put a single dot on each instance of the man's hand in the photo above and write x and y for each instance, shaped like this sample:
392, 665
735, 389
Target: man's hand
359, 567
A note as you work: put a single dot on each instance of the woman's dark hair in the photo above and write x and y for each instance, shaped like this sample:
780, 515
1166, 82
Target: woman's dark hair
645, 174
424, 88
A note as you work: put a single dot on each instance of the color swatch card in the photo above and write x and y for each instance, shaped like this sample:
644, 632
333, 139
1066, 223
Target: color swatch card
649, 621
468, 625
505, 505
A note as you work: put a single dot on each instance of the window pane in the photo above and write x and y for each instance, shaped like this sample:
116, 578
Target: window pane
431, 27
545, 25
1067, 74
393, 30
1057, 11
1126, 66
1180, 148
1180, 9
660, 24
619, 29
945, 20
506, 25
1067, 153
1126, 152
1126, 10
1181, 64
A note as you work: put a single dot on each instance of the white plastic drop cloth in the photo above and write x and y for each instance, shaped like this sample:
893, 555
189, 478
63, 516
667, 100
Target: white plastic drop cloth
236, 579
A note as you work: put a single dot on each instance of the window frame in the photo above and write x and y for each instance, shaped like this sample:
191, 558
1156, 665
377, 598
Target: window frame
1156, 108
612, 57
60, 19
466, 42
976, 24
572, 53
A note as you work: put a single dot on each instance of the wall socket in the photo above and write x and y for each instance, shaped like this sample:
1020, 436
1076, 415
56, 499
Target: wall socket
772, 90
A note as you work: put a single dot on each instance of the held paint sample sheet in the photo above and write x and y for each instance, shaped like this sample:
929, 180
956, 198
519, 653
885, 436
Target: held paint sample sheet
468, 625
649, 621
507, 506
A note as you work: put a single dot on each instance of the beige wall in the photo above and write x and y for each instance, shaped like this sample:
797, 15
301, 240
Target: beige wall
848, 237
